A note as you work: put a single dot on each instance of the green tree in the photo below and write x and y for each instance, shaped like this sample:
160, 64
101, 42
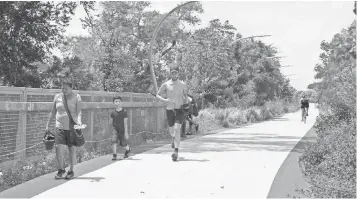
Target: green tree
204, 58
331, 163
28, 31
72, 68
118, 39
255, 67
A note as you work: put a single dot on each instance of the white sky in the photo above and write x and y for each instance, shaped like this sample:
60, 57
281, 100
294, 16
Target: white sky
297, 28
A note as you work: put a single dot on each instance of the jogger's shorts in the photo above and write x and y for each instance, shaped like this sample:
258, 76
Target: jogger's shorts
175, 116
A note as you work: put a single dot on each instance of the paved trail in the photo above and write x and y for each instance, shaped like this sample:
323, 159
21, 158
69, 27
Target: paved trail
237, 163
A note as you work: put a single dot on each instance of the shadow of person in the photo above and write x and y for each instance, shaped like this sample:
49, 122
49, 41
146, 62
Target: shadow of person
130, 158
192, 160
92, 179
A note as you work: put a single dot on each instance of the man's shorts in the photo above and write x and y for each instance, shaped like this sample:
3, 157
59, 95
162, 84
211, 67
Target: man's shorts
175, 116
63, 137
118, 135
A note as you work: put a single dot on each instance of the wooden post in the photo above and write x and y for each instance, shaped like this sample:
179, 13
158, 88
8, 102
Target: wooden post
131, 116
145, 118
21, 129
158, 119
91, 121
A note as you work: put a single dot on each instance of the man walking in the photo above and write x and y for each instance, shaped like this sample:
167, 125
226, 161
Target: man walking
193, 111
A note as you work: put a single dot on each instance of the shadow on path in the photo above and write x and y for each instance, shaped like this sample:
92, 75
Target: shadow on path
183, 159
217, 143
93, 179
289, 177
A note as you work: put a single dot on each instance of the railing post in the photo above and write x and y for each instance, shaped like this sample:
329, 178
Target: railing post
158, 119
131, 116
21, 129
145, 116
91, 121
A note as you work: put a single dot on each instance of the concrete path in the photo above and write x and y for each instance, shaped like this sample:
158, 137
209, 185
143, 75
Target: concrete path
290, 179
237, 163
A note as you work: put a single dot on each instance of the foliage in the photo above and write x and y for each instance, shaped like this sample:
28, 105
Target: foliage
119, 39
29, 30
310, 94
71, 68
330, 164
233, 116
114, 56
205, 60
225, 74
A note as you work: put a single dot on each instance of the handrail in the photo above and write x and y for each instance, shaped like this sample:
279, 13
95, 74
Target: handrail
42, 106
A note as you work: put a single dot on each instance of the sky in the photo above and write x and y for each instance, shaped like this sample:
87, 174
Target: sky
296, 27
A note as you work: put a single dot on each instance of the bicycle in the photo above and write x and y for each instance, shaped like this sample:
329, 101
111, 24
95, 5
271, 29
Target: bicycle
304, 114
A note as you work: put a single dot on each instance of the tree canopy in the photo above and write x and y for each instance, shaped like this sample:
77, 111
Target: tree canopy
115, 55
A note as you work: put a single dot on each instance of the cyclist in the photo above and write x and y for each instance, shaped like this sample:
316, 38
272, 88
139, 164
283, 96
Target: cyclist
304, 106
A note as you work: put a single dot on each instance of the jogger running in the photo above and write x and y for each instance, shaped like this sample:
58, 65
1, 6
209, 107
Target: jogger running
176, 95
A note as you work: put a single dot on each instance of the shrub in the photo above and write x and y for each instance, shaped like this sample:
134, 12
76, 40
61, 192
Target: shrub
330, 164
286, 109
206, 114
233, 116
256, 112
236, 117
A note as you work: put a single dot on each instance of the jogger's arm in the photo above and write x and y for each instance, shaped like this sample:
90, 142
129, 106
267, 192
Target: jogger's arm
160, 92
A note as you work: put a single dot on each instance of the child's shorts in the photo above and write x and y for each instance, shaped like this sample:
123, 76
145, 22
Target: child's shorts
118, 135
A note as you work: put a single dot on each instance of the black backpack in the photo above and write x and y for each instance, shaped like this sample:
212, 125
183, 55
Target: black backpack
193, 107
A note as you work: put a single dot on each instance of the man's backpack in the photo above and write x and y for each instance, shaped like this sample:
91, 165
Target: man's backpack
193, 106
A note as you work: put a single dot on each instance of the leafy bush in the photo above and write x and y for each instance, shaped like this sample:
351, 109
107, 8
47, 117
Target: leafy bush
330, 164
234, 116
255, 114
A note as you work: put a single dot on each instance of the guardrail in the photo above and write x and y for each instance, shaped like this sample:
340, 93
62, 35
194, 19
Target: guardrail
24, 113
